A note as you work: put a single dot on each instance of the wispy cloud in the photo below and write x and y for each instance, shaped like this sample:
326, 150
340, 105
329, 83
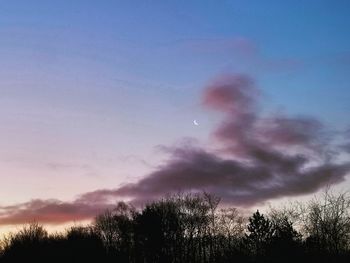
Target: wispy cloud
241, 50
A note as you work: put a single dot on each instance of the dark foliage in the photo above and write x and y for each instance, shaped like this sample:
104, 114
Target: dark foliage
190, 228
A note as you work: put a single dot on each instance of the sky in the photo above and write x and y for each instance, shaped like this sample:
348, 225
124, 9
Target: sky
98, 99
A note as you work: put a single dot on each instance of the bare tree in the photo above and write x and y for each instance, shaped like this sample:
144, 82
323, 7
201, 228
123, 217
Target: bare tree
115, 228
231, 225
327, 221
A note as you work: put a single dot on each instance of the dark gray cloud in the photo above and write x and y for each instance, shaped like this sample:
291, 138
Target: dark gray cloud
266, 157
257, 158
237, 183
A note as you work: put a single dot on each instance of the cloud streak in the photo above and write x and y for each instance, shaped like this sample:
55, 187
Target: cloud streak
49, 211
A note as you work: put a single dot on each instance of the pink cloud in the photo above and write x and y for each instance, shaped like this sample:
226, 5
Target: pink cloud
49, 211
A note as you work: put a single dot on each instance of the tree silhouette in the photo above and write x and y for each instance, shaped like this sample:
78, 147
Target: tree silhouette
191, 228
259, 235
327, 226
159, 232
285, 243
116, 231
83, 244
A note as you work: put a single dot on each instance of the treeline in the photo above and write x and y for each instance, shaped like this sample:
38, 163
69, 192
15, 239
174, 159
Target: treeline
194, 228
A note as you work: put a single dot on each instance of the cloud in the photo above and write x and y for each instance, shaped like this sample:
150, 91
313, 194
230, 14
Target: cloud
58, 166
50, 211
236, 183
346, 147
257, 157
240, 51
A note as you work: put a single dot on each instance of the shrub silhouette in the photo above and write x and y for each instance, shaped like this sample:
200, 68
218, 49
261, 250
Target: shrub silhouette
83, 244
26, 244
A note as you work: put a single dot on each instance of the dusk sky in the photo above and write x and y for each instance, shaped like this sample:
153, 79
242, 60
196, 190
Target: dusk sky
98, 101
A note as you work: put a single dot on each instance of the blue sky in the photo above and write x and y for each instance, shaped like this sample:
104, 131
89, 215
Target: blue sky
89, 88
143, 41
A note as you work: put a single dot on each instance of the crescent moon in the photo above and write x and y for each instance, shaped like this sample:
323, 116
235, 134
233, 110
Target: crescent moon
195, 122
